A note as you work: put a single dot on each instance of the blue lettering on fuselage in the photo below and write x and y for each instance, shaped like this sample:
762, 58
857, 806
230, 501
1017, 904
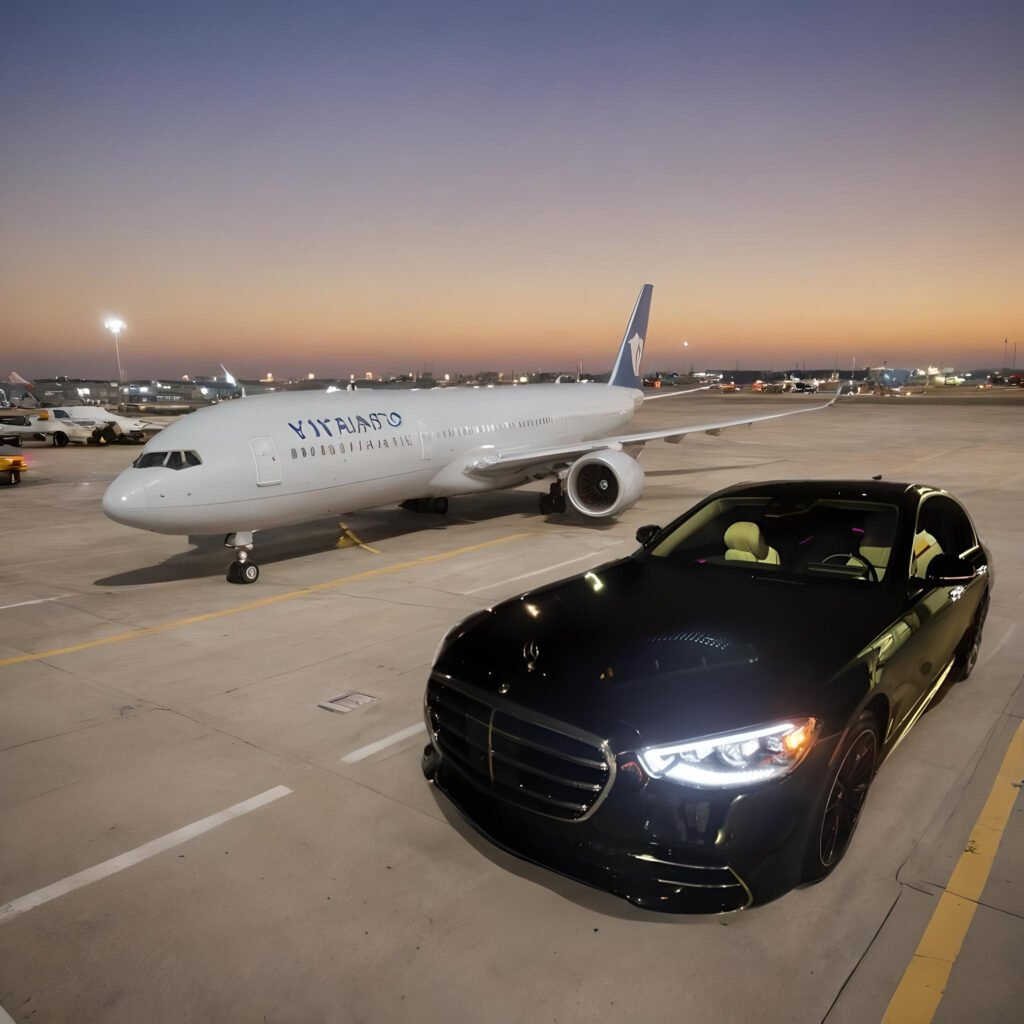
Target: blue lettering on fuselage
347, 424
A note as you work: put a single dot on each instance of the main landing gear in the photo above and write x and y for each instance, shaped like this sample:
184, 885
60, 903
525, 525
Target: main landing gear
433, 506
554, 501
242, 569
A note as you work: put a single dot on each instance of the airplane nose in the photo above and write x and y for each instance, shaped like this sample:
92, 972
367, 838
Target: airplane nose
125, 501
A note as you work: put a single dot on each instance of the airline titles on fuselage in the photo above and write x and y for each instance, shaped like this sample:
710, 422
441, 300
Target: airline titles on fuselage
346, 424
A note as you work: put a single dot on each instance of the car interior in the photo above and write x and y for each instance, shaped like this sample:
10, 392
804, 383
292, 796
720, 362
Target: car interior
827, 537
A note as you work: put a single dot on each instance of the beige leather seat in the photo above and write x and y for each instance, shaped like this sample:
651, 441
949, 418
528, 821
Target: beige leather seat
744, 542
926, 547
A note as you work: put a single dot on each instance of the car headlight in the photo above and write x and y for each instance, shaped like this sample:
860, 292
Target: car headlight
758, 754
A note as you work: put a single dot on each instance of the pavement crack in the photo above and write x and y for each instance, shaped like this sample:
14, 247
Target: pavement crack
867, 948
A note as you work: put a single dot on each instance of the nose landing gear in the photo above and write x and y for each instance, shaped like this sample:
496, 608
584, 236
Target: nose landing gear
242, 569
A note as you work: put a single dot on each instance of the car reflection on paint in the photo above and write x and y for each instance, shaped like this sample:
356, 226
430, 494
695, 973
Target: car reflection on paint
695, 727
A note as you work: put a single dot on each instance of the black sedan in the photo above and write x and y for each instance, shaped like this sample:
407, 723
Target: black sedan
695, 727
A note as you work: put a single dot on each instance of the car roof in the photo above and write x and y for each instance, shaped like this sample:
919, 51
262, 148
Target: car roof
889, 491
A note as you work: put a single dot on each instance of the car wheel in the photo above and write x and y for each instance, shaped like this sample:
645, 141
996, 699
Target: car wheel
970, 644
838, 811
60, 439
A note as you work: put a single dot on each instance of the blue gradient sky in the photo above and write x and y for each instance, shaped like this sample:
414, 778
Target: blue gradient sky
337, 187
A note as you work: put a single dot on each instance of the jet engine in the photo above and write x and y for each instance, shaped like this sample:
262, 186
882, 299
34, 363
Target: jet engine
605, 483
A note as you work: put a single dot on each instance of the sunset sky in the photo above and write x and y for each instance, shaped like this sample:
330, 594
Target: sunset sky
339, 187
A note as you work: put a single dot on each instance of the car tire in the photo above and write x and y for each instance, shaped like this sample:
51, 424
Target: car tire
60, 439
842, 800
966, 656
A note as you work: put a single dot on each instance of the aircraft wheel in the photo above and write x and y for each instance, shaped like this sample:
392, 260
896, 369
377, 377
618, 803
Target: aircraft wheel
243, 572
558, 503
547, 504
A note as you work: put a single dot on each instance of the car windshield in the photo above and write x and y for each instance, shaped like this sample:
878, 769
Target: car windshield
818, 538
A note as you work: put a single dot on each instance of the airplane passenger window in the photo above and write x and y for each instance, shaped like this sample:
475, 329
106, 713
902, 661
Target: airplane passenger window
295, 454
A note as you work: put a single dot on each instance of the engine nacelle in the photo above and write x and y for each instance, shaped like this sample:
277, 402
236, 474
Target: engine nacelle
605, 483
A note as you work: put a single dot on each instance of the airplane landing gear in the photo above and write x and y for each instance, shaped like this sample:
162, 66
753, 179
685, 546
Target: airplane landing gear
242, 569
433, 506
554, 501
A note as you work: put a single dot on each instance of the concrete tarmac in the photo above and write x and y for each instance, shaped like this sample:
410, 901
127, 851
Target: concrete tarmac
187, 835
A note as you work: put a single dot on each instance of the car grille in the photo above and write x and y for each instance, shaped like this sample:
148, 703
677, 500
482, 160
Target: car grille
526, 759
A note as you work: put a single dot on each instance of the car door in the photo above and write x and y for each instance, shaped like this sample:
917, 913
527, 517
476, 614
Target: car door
925, 638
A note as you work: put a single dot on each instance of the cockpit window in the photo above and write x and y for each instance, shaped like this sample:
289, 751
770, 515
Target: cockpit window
172, 460
149, 460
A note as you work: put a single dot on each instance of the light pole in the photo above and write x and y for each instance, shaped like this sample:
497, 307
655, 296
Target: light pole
116, 326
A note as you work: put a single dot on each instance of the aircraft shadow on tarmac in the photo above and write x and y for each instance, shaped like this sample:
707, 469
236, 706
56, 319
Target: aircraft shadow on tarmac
208, 557
697, 470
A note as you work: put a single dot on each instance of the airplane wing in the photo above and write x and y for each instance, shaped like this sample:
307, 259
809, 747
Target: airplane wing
501, 463
673, 393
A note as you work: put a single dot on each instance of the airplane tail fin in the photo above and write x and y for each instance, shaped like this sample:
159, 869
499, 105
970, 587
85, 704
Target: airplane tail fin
626, 372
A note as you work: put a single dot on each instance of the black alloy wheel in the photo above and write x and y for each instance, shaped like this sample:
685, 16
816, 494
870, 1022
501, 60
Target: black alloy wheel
838, 814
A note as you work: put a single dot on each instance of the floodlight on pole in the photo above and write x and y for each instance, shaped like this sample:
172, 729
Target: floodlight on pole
116, 326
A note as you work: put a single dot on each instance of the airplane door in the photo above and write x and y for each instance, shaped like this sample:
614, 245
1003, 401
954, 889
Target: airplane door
268, 466
425, 445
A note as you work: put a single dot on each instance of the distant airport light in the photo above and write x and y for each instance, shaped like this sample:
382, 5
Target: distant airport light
116, 325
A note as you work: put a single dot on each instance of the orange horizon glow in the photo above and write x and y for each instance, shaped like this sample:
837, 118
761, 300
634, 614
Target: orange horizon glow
330, 193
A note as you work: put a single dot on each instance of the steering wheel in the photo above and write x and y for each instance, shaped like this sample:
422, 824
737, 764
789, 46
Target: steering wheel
870, 573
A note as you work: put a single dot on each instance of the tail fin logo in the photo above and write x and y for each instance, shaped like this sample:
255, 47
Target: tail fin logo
636, 351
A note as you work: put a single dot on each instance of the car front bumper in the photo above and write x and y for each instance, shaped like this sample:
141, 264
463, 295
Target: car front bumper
658, 845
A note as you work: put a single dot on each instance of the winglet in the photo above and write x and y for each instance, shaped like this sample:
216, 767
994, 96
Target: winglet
626, 372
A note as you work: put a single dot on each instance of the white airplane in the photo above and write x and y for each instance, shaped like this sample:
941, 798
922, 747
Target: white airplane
291, 457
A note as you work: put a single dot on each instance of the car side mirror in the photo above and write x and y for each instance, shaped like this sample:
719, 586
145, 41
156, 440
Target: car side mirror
646, 534
948, 570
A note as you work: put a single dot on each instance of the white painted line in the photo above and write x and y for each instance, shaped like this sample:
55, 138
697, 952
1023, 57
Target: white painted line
21, 604
141, 853
537, 572
5, 1017
372, 748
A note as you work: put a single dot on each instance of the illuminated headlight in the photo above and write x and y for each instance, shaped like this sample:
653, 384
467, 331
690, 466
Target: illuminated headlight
736, 759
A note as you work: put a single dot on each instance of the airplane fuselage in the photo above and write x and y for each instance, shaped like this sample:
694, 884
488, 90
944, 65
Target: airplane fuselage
292, 457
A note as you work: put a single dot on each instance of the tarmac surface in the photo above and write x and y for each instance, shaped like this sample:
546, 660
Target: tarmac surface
188, 836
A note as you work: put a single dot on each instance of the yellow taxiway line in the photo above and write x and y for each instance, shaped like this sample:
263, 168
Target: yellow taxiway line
263, 602
924, 982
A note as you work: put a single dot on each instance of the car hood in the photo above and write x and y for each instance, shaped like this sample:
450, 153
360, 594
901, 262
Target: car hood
637, 650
